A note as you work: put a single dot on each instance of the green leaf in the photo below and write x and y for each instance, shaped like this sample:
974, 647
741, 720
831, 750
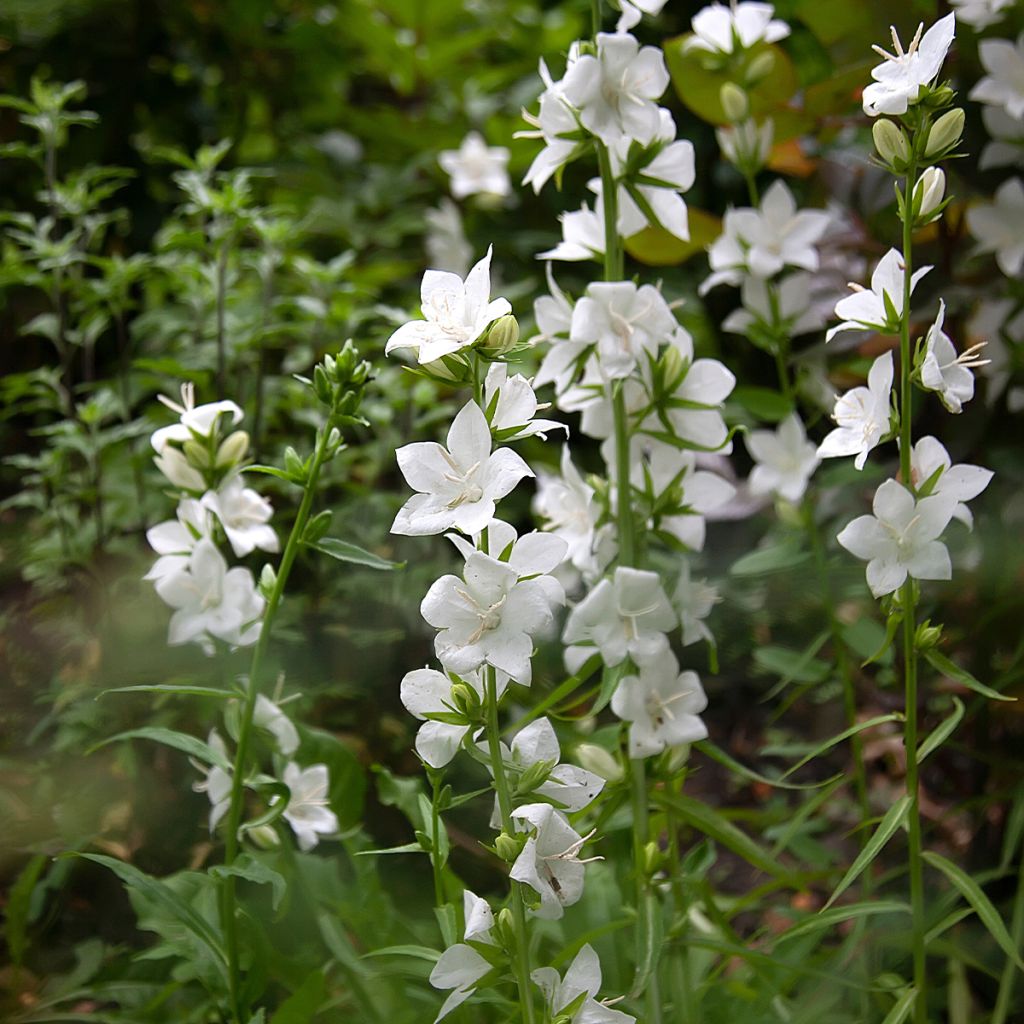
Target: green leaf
17, 912
832, 741
719, 755
166, 898
180, 690
404, 848
895, 818
972, 892
610, 679
793, 666
253, 870
960, 675
178, 740
302, 1005
656, 247
787, 555
892, 624
901, 1011
714, 825
652, 942
942, 733
764, 403
829, 918
417, 952
343, 551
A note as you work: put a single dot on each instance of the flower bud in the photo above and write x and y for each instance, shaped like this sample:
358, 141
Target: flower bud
534, 777
928, 194
466, 700
502, 337
761, 66
945, 133
507, 847
677, 757
734, 102
597, 760
652, 858
265, 837
927, 636
891, 143
176, 468
268, 580
196, 454
506, 927
232, 449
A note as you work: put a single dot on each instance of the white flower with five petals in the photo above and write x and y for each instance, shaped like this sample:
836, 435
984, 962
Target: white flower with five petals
512, 405
245, 516
929, 459
174, 540
945, 372
784, 459
862, 415
1003, 86
308, 811
583, 978
461, 966
476, 168
723, 30
999, 226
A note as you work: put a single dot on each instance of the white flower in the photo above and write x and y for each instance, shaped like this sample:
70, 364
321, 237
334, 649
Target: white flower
447, 246
862, 415
217, 783
457, 312
583, 236
549, 862
662, 706
269, 716
615, 90
1001, 322
785, 306
476, 168
458, 485
722, 30
945, 372
1007, 147
632, 10
747, 144
245, 516
962, 482
566, 506
512, 404
693, 601
490, 615
178, 470
901, 538
999, 226
460, 966
765, 240
663, 172
553, 122
308, 811
425, 692
210, 598
553, 314
785, 459
196, 421
979, 14
900, 77
626, 615
879, 308
583, 978
1003, 86
622, 321
174, 540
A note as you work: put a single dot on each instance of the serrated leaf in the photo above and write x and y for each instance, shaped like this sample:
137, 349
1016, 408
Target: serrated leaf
344, 551
960, 675
942, 733
711, 823
895, 818
975, 896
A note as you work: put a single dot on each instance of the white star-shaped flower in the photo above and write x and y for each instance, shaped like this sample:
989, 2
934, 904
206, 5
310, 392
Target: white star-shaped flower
512, 405
196, 421
217, 781
979, 14
693, 601
662, 706
245, 516
784, 459
476, 168
862, 414
461, 966
174, 540
999, 226
901, 538
1003, 86
457, 313
566, 506
583, 978
459, 484
270, 717
723, 30
898, 80
945, 372
308, 811
962, 482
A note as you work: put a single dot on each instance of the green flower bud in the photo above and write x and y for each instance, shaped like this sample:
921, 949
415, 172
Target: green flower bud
502, 337
597, 760
232, 449
196, 454
652, 858
929, 192
466, 700
534, 777
507, 847
927, 636
268, 580
676, 758
945, 133
734, 102
891, 143
761, 66
265, 837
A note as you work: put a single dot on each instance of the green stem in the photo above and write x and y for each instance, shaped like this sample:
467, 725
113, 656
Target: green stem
237, 801
613, 256
684, 1001
521, 953
595, 16
907, 602
435, 840
221, 303
1004, 1000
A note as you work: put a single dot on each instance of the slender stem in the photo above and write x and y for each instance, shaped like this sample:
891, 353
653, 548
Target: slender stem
595, 16
751, 179
237, 800
907, 602
221, 303
521, 956
435, 840
262, 365
684, 1000
1004, 1000
613, 257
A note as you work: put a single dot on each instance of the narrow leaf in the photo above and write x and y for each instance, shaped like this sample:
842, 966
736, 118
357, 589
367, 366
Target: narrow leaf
895, 818
174, 688
19, 905
972, 892
942, 733
179, 740
839, 737
828, 918
719, 755
960, 675
901, 1011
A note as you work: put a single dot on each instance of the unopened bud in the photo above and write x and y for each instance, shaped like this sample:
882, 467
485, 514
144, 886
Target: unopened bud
652, 858
734, 102
268, 580
599, 761
534, 777
507, 847
232, 449
945, 133
466, 700
197, 454
929, 193
677, 758
927, 636
265, 837
761, 66
321, 385
506, 927
502, 337
440, 370
176, 468
891, 143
